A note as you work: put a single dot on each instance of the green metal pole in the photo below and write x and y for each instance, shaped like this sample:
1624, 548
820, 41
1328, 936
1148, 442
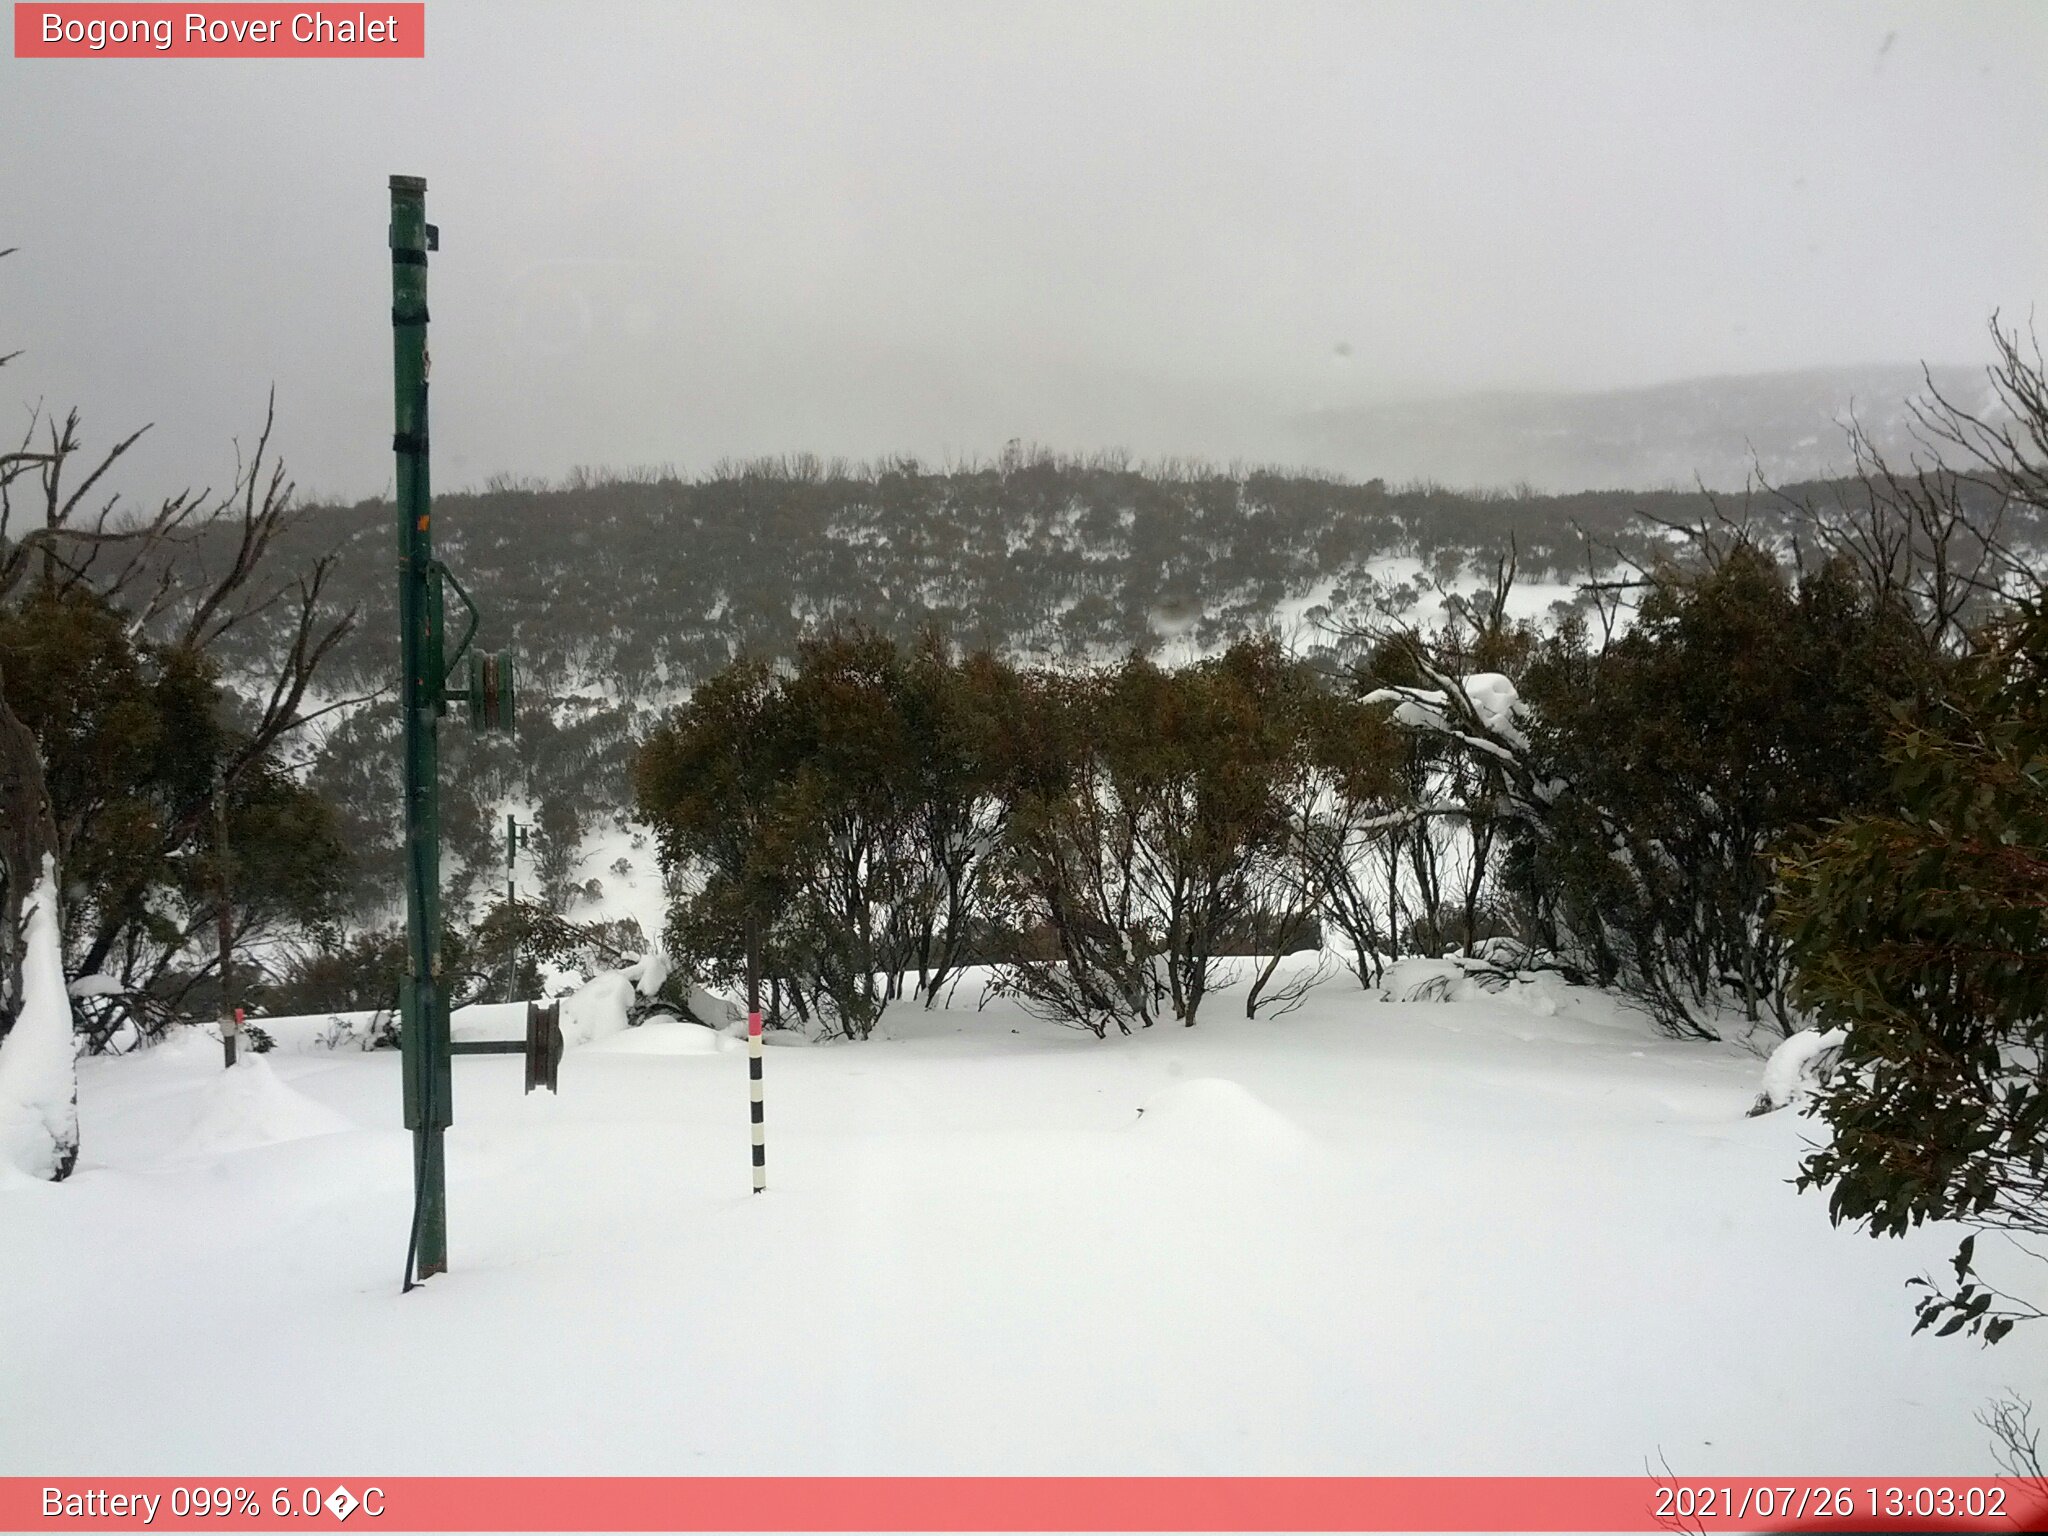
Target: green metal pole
224, 926
423, 1026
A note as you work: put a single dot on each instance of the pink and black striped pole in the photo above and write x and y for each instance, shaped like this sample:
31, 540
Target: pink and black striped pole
754, 1083
754, 1069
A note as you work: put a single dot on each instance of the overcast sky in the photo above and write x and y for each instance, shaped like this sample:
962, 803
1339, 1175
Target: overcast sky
676, 232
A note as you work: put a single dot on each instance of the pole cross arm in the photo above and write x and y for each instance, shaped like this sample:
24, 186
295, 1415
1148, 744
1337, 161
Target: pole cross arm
489, 693
469, 631
542, 1046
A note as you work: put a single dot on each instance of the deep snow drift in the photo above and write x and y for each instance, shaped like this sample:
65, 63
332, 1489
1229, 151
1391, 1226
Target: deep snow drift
1514, 1234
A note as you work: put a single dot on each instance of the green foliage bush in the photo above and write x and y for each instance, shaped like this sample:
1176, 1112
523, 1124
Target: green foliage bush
1747, 706
133, 734
1921, 928
1109, 839
829, 825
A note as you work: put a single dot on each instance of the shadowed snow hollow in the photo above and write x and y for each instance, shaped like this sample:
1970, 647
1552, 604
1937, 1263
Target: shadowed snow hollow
250, 1106
1215, 1114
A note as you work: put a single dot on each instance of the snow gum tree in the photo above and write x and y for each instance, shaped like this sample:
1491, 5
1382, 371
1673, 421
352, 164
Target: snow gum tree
709, 779
557, 836
958, 715
1745, 707
122, 753
837, 820
1357, 809
1438, 881
851, 802
1920, 926
136, 739
1139, 838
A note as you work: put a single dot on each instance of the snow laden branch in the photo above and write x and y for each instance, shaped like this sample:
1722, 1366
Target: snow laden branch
1480, 713
1576, 887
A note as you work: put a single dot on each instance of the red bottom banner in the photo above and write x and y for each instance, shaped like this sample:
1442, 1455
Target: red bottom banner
1023, 1504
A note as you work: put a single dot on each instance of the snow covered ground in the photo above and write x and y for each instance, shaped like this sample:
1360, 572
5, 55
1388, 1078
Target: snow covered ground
1513, 1234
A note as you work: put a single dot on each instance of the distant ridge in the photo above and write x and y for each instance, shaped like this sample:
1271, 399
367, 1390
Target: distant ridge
1715, 430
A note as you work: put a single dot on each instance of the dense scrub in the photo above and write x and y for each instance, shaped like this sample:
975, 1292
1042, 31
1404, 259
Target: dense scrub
1116, 837
620, 594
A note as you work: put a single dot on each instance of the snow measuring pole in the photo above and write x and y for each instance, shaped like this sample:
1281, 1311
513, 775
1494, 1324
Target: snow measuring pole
756, 1110
424, 696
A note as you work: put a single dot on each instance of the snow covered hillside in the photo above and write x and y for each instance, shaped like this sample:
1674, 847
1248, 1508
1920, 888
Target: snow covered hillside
1506, 1234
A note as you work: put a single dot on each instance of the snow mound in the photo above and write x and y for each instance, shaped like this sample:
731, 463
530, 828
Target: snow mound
1217, 1114
190, 1042
248, 1105
488, 1021
13, 1179
366, 1029
1798, 1066
667, 1037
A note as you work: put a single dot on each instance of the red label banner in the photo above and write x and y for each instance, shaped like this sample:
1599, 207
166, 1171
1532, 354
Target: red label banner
1837, 1504
361, 31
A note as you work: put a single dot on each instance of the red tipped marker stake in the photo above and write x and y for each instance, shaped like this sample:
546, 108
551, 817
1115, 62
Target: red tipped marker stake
754, 1057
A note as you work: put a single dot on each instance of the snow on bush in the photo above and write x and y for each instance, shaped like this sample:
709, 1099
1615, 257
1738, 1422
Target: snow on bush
1798, 1066
1492, 696
1500, 707
1422, 980
559, 980
603, 1005
716, 1009
39, 1057
649, 973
